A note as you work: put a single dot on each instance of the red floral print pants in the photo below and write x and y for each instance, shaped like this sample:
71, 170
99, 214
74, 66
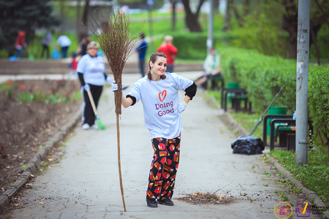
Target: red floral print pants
163, 168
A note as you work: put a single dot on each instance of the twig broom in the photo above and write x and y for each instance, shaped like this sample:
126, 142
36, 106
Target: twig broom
112, 33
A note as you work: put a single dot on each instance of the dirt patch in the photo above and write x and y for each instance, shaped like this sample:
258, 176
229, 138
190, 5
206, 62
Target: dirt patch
31, 112
208, 198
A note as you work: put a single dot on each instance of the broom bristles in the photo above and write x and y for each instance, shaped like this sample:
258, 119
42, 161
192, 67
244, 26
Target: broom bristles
100, 124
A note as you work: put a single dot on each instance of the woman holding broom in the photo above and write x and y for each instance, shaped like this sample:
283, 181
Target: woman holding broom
158, 92
91, 72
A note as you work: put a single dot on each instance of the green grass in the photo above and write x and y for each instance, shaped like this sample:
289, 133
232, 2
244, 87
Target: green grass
314, 175
248, 121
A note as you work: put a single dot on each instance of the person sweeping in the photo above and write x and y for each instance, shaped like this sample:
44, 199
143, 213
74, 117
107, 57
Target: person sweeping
91, 73
158, 92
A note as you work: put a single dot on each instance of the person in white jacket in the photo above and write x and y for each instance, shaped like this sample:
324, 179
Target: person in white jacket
211, 68
91, 74
158, 91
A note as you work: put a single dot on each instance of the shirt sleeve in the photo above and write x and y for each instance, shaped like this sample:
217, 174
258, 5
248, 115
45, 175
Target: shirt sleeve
180, 82
135, 92
81, 65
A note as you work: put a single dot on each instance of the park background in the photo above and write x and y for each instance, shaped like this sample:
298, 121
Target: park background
256, 40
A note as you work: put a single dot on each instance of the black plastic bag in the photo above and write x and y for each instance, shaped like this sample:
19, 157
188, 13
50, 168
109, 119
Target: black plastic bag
247, 145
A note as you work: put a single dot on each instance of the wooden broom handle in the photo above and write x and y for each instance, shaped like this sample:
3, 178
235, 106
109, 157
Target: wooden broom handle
119, 163
92, 101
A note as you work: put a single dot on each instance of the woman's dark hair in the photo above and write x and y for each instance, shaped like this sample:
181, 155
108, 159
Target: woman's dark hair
153, 59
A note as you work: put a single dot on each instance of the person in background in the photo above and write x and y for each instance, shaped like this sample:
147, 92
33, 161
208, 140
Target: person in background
211, 68
91, 73
159, 95
64, 43
46, 42
73, 66
170, 51
82, 48
20, 44
141, 50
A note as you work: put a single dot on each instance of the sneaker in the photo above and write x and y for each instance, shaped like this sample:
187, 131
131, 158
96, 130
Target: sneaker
167, 202
85, 126
152, 203
94, 126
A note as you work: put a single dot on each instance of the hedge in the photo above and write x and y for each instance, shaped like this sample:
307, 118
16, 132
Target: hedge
193, 46
263, 76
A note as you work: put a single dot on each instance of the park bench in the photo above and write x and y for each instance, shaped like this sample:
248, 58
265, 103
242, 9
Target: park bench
287, 133
212, 83
236, 95
266, 118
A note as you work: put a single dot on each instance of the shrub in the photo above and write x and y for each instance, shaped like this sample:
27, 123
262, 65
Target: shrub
263, 76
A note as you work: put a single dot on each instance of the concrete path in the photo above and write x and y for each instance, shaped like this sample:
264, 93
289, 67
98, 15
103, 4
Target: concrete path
85, 184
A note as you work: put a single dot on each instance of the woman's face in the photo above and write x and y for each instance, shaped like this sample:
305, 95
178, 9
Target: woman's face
159, 66
92, 51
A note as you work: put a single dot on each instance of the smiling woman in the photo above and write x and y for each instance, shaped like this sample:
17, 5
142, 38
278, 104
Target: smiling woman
158, 92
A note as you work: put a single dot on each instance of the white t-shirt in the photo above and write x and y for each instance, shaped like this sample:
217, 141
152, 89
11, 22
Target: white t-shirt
160, 103
63, 41
93, 69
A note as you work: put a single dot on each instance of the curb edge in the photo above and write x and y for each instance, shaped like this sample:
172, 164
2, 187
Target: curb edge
27, 171
310, 195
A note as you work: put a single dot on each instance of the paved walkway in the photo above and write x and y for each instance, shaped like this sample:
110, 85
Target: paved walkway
85, 184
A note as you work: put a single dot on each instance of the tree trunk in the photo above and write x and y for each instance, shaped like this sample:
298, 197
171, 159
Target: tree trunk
85, 13
314, 28
216, 6
289, 24
61, 12
246, 7
237, 15
191, 20
292, 47
313, 40
227, 21
291, 27
192, 23
173, 17
78, 20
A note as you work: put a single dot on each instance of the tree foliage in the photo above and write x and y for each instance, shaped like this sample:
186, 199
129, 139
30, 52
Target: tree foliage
271, 26
23, 15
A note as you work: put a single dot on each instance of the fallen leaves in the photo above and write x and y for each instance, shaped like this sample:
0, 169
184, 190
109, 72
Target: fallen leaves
208, 198
28, 185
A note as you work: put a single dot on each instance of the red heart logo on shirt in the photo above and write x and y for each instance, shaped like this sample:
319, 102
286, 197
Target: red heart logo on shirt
162, 95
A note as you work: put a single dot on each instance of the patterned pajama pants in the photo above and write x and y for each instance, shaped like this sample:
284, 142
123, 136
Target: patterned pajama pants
163, 168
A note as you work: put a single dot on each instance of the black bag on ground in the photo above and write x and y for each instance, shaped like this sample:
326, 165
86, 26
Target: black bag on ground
247, 145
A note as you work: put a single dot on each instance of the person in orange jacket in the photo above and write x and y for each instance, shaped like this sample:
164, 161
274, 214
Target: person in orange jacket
170, 51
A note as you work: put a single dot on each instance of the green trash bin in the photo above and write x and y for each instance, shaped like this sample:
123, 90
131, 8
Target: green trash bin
275, 110
233, 85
